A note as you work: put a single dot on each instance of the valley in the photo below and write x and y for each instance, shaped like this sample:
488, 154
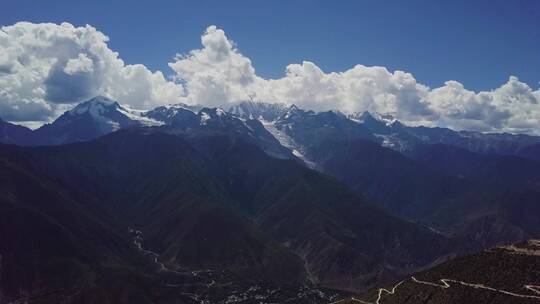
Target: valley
260, 203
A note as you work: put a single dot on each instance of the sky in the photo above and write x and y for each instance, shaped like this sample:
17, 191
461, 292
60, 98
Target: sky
475, 42
466, 64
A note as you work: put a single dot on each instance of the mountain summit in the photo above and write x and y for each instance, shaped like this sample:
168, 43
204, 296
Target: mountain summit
295, 128
91, 119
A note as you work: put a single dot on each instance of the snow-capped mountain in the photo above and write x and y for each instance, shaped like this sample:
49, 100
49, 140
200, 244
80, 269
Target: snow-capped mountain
393, 134
306, 134
390, 133
93, 118
101, 115
195, 120
218, 121
171, 114
179, 115
258, 110
379, 124
497, 143
315, 135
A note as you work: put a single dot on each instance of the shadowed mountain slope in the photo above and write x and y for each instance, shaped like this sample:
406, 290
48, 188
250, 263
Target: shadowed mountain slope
222, 203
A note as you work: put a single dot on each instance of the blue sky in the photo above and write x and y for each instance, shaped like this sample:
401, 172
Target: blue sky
468, 65
478, 43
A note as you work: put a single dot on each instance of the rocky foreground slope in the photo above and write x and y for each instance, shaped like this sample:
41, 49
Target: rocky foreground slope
509, 274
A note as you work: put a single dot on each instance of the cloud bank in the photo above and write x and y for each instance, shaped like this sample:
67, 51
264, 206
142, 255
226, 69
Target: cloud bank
43, 67
218, 73
46, 68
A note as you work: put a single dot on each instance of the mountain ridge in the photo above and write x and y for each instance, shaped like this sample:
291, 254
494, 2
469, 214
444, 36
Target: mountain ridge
385, 130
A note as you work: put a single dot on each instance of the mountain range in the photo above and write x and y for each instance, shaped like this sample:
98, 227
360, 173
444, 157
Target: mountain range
256, 203
101, 115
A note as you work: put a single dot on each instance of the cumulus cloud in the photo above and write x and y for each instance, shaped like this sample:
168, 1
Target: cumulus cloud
45, 66
80, 65
513, 107
358, 89
218, 74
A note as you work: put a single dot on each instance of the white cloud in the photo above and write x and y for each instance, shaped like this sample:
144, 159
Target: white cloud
216, 74
80, 65
513, 107
43, 66
219, 74
358, 89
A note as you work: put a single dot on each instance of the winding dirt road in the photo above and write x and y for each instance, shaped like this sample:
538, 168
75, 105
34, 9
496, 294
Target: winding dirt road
445, 284
532, 248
